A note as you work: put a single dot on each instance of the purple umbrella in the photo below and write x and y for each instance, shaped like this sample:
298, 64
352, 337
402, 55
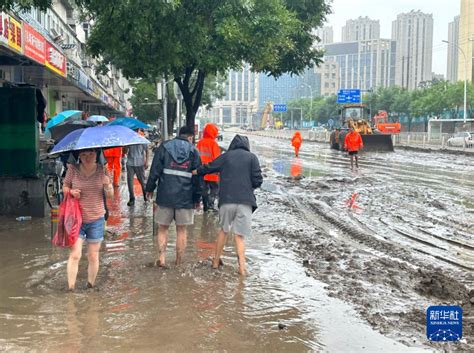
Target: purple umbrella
98, 137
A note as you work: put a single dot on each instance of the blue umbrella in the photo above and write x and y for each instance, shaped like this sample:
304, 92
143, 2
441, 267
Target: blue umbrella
130, 123
97, 118
98, 137
63, 116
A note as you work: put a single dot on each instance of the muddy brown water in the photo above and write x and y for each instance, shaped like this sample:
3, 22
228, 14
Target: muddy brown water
139, 308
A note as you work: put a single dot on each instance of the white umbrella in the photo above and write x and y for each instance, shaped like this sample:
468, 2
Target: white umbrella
97, 118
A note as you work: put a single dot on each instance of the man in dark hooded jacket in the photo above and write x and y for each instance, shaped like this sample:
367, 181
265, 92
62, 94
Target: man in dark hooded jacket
178, 190
240, 174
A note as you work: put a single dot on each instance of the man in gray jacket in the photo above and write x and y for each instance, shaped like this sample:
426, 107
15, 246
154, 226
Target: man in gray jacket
137, 163
240, 175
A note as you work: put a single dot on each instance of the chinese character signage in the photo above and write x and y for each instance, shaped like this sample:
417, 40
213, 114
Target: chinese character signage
444, 323
34, 44
55, 60
348, 96
14, 34
279, 108
4, 25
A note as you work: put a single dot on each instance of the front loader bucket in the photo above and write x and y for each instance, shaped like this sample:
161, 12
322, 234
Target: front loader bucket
377, 142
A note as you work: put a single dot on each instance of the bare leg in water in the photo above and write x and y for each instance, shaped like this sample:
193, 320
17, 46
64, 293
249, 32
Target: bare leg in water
181, 239
162, 242
240, 247
221, 238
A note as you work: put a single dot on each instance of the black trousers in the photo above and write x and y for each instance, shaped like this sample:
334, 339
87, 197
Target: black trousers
209, 194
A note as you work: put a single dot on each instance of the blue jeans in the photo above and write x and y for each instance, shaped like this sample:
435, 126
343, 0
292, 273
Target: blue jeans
93, 232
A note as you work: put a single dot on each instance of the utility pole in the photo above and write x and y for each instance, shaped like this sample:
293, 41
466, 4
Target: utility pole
165, 110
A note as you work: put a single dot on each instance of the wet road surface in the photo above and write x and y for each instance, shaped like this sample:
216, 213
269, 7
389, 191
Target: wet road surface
392, 238
279, 307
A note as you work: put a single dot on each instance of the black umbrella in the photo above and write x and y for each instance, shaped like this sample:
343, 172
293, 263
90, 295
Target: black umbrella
59, 131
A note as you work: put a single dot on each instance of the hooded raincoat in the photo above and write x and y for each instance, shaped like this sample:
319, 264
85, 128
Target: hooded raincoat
239, 172
172, 168
296, 141
209, 149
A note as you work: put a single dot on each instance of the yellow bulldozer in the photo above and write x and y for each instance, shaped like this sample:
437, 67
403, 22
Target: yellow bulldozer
356, 116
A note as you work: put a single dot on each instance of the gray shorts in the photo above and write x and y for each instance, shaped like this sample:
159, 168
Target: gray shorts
237, 217
181, 216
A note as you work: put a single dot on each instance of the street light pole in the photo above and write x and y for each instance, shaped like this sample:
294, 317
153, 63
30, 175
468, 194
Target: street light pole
311, 104
465, 77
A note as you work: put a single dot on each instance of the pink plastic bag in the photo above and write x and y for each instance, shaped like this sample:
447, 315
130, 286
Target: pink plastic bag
69, 223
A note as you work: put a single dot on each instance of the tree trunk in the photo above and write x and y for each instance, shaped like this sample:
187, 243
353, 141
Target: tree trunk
192, 93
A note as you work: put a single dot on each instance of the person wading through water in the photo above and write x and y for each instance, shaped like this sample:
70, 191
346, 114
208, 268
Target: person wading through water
209, 151
178, 190
240, 175
353, 143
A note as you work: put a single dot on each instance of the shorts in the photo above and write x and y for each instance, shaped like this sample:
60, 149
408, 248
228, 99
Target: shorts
181, 216
237, 217
93, 232
353, 153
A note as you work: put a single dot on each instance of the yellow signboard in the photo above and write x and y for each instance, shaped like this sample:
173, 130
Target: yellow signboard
15, 35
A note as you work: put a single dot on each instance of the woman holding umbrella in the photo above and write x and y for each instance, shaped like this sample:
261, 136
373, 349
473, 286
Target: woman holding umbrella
87, 183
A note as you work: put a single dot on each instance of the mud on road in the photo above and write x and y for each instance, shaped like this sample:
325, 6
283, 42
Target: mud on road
390, 239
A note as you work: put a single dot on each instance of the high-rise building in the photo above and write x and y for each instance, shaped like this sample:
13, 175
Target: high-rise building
329, 72
413, 33
240, 100
453, 50
466, 33
325, 34
365, 65
362, 28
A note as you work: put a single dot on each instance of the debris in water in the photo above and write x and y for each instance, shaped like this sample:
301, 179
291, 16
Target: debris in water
282, 326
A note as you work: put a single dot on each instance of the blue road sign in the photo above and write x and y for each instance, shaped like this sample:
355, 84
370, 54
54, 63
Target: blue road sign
348, 96
279, 108
331, 122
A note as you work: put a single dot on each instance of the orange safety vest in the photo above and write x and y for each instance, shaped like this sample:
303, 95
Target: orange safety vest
209, 149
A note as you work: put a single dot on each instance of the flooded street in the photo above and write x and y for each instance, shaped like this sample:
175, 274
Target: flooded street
329, 271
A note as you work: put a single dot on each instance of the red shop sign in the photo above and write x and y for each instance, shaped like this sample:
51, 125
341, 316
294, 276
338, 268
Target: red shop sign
55, 60
34, 44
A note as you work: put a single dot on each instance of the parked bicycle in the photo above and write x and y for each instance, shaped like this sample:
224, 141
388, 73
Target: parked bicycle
53, 170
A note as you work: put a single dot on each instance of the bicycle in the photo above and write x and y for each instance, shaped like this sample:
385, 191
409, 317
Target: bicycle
53, 169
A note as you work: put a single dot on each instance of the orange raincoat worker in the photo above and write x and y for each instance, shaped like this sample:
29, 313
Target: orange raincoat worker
209, 150
353, 143
296, 141
113, 156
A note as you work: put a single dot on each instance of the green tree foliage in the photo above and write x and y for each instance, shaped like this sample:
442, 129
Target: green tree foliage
191, 40
144, 101
7, 5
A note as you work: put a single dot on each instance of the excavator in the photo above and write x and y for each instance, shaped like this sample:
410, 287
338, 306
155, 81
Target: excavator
375, 136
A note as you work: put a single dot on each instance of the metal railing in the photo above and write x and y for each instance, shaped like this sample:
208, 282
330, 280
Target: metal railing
408, 139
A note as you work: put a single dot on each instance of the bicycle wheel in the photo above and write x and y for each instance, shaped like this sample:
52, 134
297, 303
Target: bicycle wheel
53, 192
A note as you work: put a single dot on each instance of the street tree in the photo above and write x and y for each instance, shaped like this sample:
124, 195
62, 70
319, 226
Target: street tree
187, 41
8, 5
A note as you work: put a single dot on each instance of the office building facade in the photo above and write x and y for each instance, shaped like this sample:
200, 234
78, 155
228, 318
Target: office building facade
453, 50
365, 64
466, 33
362, 28
413, 33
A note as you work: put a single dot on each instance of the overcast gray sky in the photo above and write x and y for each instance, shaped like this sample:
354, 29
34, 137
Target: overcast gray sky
387, 10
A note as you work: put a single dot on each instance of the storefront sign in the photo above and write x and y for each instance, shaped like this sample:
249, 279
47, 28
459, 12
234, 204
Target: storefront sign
55, 60
14, 34
4, 28
34, 44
